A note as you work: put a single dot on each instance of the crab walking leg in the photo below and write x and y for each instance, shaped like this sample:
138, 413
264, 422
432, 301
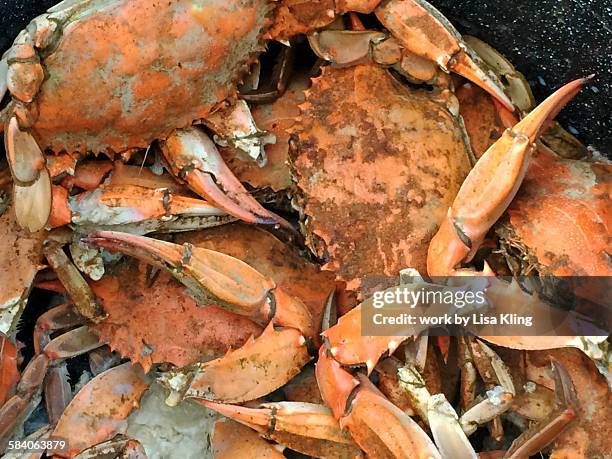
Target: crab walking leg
56, 386
234, 126
490, 187
424, 31
193, 157
77, 288
543, 433
304, 427
232, 283
47, 370
379, 427
27, 396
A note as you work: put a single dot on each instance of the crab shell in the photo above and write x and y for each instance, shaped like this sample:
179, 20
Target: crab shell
559, 224
120, 74
377, 166
154, 321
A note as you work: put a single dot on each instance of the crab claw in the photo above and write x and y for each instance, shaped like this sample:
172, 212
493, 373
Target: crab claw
424, 31
490, 187
308, 428
259, 367
209, 274
193, 157
127, 204
379, 427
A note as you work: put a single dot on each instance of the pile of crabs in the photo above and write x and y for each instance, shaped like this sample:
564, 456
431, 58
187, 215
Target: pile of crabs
205, 190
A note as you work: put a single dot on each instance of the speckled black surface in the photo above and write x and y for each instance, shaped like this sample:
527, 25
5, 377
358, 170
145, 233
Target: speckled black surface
550, 41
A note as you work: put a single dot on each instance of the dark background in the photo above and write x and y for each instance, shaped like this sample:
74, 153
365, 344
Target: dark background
550, 41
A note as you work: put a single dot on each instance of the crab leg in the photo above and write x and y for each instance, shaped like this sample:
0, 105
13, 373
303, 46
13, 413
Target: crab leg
19, 406
490, 187
56, 387
32, 184
9, 372
78, 290
117, 205
543, 433
305, 427
236, 127
193, 157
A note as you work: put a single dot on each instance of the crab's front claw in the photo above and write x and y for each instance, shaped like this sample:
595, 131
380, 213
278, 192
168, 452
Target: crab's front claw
120, 205
193, 157
308, 428
424, 31
259, 367
490, 187
229, 282
379, 427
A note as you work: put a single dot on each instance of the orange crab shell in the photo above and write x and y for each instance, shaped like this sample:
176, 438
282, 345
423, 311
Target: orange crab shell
129, 72
481, 117
154, 321
377, 166
562, 215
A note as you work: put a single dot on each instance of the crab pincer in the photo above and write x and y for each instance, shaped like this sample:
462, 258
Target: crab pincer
123, 205
377, 425
193, 157
425, 32
490, 187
